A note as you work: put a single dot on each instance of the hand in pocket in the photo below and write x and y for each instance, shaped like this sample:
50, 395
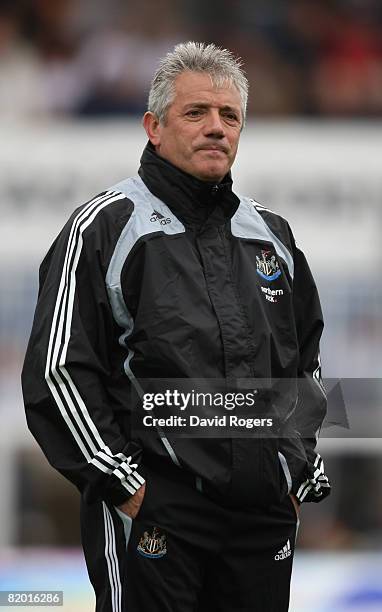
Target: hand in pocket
295, 504
132, 506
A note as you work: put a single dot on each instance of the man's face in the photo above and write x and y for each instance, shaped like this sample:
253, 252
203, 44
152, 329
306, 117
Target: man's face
202, 128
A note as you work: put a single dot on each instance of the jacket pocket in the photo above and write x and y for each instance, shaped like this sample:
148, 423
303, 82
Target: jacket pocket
127, 523
271, 488
292, 449
286, 472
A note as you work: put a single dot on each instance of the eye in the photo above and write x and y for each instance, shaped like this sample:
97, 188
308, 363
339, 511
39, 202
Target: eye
194, 112
232, 117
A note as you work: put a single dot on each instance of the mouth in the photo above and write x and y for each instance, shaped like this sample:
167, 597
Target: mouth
213, 149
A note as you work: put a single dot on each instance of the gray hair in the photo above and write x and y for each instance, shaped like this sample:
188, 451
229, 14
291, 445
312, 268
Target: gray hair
220, 64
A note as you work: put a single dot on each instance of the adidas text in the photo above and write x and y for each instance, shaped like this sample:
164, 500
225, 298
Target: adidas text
156, 216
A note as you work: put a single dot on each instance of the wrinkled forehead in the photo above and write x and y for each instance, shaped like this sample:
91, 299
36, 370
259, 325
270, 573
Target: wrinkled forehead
189, 84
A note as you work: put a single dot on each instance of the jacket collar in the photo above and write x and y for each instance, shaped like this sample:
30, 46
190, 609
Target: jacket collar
193, 201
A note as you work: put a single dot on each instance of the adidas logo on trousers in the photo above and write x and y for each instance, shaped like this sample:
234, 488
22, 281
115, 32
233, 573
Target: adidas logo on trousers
284, 552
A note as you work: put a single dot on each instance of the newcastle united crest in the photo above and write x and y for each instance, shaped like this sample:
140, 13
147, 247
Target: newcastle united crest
267, 266
154, 545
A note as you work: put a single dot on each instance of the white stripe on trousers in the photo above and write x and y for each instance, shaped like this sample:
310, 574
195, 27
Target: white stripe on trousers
112, 561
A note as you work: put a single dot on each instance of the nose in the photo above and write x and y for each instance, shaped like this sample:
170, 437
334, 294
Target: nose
213, 125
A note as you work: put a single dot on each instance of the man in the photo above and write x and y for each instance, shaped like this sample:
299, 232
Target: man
171, 275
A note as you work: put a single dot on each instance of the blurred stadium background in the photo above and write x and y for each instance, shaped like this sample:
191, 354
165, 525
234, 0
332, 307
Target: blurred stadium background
74, 79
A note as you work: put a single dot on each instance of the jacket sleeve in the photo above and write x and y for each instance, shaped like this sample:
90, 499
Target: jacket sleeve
311, 405
69, 363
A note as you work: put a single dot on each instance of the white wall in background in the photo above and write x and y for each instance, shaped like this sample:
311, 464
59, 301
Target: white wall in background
326, 178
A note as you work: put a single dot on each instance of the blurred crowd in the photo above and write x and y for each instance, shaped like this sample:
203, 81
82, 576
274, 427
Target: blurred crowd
97, 57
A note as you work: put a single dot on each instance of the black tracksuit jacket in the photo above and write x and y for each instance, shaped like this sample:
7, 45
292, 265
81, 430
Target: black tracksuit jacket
166, 276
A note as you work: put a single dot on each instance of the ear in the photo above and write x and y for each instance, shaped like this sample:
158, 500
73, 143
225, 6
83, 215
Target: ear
152, 126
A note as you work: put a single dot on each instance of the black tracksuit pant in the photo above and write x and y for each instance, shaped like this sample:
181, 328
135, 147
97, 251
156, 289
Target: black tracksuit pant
185, 553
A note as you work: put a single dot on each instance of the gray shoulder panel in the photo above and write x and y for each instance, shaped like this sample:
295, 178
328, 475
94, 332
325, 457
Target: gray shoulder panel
146, 203
248, 223
150, 215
